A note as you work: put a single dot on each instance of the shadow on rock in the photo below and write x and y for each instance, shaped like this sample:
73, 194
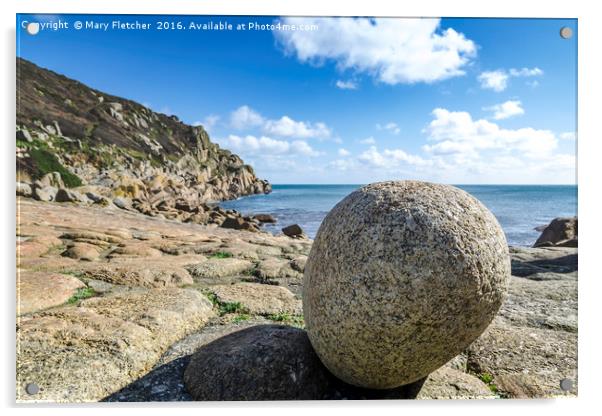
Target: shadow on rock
162, 384
271, 362
561, 264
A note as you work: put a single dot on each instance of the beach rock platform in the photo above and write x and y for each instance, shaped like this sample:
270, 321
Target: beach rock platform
124, 325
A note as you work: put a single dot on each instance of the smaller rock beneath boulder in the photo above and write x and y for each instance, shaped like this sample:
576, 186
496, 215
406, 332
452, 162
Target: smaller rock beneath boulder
265, 218
293, 231
264, 362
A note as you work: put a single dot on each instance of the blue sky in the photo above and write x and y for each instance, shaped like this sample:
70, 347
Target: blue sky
346, 100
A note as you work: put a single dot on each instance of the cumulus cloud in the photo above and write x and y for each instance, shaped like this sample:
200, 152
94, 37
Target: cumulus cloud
455, 132
346, 85
342, 164
393, 51
568, 135
525, 72
498, 80
252, 145
245, 117
208, 122
494, 80
391, 158
343, 152
369, 140
391, 126
533, 84
506, 109
287, 127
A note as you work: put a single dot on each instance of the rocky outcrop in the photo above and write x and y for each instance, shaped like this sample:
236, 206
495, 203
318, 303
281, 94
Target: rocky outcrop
76, 144
561, 232
293, 231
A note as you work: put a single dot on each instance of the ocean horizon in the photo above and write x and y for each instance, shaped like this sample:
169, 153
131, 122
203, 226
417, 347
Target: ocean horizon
518, 208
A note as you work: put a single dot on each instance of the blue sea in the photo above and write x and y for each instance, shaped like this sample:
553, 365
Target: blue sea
518, 208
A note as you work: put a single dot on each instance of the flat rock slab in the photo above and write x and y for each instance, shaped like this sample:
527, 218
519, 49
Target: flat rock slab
216, 268
529, 362
275, 268
41, 290
84, 353
150, 274
260, 299
547, 303
82, 251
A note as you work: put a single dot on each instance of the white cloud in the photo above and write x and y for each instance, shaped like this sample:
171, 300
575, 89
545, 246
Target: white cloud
208, 122
455, 132
390, 159
391, 126
343, 152
494, 80
346, 85
568, 135
506, 109
287, 127
369, 140
245, 117
342, 165
498, 80
526, 72
262, 146
394, 51
302, 148
533, 84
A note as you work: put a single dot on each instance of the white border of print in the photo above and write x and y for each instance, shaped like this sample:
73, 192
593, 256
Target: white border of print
588, 168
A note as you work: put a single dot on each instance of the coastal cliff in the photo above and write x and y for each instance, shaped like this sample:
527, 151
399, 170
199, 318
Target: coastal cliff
98, 147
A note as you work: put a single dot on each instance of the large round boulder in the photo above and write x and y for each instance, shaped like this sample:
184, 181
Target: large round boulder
402, 277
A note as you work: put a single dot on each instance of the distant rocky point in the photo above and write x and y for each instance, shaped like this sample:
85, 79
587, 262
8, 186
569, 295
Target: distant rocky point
561, 232
77, 144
